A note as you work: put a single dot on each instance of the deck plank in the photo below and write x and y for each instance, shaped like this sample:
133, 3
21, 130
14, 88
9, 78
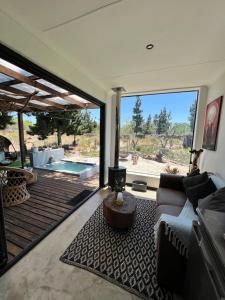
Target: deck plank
48, 205
46, 209
20, 231
40, 212
28, 213
26, 219
13, 249
24, 225
50, 201
17, 239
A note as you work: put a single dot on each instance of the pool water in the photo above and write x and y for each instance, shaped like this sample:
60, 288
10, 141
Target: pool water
68, 167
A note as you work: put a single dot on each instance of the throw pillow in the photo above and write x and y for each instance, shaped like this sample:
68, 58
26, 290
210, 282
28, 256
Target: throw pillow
215, 201
194, 180
200, 191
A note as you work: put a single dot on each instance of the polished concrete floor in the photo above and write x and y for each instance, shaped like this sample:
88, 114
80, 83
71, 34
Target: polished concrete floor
41, 276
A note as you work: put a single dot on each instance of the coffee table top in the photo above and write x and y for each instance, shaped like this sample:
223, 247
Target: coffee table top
128, 207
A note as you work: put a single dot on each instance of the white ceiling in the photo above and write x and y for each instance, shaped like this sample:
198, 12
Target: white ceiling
107, 38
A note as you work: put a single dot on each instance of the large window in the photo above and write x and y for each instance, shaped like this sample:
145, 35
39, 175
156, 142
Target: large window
157, 132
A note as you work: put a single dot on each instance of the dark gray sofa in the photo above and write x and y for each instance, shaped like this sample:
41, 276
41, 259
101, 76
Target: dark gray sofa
170, 197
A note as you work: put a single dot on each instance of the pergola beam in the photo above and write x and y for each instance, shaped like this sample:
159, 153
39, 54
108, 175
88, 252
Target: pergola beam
52, 96
21, 102
26, 94
16, 81
5, 106
36, 84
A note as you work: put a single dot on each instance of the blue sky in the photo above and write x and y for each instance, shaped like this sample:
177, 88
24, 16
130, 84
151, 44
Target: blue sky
177, 103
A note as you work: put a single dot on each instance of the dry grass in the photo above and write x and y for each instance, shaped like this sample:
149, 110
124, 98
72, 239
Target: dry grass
86, 144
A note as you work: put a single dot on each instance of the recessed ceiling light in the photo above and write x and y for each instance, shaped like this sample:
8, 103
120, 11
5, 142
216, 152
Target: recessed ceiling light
149, 46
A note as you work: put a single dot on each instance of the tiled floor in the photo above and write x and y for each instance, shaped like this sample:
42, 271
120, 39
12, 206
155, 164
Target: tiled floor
40, 274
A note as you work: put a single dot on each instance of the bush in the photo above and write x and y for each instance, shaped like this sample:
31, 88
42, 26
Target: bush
151, 145
170, 170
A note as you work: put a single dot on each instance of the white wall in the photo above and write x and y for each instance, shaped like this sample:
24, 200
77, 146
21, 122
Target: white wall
19, 39
214, 161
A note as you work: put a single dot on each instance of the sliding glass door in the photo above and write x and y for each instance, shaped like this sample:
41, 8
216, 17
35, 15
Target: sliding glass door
57, 133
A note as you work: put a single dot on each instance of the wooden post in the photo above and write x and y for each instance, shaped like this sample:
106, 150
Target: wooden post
21, 138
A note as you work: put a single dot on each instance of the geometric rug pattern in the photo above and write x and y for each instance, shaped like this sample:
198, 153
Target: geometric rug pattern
124, 257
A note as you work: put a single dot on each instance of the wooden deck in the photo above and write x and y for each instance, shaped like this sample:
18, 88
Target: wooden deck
48, 205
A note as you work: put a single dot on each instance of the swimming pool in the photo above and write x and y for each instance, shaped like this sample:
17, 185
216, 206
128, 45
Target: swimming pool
80, 169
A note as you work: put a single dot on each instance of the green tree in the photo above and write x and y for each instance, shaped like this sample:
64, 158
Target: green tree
70, 123
148, 125
127, 128
181, 128
5, 120
192, 112
137, 117
163, 122
41, 127
87, 123
80, 123
156, 120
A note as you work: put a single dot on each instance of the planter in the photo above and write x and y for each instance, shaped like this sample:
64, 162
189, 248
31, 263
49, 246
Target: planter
140, 186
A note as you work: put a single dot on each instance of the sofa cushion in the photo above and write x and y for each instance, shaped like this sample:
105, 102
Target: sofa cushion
171, 181
191, 181
214, 201
170, 197
200, 191
167, 209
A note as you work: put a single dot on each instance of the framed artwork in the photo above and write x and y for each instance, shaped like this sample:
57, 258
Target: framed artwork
212, 119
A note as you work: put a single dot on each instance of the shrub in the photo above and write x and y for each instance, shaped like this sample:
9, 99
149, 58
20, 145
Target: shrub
170, 170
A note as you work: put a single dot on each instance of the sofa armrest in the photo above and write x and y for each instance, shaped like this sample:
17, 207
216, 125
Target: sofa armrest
171, 181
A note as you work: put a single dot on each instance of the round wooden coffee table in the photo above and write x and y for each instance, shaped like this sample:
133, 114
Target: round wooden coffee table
120, 216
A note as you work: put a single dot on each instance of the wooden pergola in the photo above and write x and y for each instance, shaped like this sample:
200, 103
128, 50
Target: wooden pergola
23, 92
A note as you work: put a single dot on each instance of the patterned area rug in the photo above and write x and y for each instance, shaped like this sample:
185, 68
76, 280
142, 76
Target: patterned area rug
126, 258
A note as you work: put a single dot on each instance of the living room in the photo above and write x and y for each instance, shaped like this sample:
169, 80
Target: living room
146, 48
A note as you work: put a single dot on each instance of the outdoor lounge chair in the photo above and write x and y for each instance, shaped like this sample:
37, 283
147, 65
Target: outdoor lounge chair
13, 184
6, 156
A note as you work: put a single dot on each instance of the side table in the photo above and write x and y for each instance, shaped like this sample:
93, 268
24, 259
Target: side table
121, 217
